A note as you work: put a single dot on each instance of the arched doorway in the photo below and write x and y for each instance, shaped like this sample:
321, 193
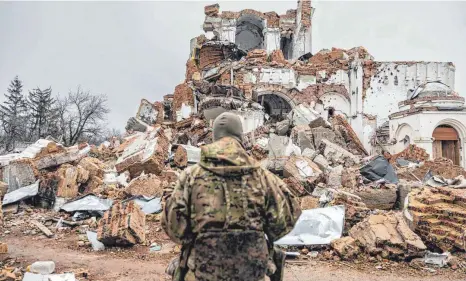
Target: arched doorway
446, 143
276, 105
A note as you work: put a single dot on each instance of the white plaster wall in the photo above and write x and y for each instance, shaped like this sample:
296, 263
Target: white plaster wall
227, 31
272, 39
280, 76
424, 124
337, 101
299, 43
305, 81
368, 131
396, 125
392, 81
355, 91
308, 41
341, 77
250, 119
402, 131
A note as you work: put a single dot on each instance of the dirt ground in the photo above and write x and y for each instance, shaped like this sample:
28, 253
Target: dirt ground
138, 263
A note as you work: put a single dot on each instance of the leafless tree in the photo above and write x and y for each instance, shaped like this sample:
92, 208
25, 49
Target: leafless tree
81, 116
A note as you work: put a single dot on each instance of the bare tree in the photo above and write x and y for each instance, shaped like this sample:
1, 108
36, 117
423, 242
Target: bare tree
81, 116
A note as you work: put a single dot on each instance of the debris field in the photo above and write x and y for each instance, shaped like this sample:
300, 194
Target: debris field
402, 208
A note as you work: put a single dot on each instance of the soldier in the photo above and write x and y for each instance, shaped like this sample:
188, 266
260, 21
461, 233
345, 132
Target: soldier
221, 208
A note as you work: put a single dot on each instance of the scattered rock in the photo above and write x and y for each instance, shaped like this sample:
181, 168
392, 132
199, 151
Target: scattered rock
345, 247
123, 225
388, 232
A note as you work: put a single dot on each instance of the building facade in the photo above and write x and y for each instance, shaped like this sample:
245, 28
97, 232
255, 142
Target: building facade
269, 58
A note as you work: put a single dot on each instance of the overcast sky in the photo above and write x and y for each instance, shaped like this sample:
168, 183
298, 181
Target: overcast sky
134, 50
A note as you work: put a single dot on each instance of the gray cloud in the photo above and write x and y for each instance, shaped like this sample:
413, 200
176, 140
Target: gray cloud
134, 50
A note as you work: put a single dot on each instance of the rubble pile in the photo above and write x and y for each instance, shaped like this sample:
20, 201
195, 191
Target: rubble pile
442, 167
439, 216
146, 185
358, 197
388, 235
122, 225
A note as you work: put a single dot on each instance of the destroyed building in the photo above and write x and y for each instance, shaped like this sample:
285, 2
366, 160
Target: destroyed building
267, 58
361, 169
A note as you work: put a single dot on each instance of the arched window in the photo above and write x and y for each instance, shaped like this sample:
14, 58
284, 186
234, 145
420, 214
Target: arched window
249, 32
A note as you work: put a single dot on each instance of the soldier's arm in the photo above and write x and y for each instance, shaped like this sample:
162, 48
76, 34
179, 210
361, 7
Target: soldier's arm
176, 213
282, 209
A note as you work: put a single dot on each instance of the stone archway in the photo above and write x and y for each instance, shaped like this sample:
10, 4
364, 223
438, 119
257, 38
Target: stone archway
276, 104
249, 32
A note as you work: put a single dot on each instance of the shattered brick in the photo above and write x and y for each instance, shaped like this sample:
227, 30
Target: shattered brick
213, 53
259, 153
147, 153
309, 202
442, 167
183, 96
350, 178
147, 185
388, 233
212, 10
273, 19
68, 181
122, 225
411, 153
439, 216
95, 173
345, 247
304, 170
257, 55
277, 56
355, 209
295, 186
56, 159
191, 69
351, 138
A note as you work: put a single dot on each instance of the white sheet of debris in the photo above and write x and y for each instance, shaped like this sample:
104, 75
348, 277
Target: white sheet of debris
316, 227
21, 193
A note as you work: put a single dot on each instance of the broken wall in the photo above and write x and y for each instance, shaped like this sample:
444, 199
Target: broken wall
392, 80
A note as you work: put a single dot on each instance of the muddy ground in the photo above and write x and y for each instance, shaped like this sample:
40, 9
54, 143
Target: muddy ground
137, 263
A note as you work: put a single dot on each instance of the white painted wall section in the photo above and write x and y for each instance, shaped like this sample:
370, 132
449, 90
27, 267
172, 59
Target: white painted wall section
280, 76
272, 39
392, 81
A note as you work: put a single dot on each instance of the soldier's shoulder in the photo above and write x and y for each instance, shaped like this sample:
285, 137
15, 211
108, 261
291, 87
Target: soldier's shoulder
268, 175
193, 172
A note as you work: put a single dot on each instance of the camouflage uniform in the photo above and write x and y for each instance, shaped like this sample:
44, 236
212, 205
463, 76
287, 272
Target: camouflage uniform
220, 210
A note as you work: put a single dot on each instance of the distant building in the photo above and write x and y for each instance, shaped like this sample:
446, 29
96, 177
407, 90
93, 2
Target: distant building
389, 104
